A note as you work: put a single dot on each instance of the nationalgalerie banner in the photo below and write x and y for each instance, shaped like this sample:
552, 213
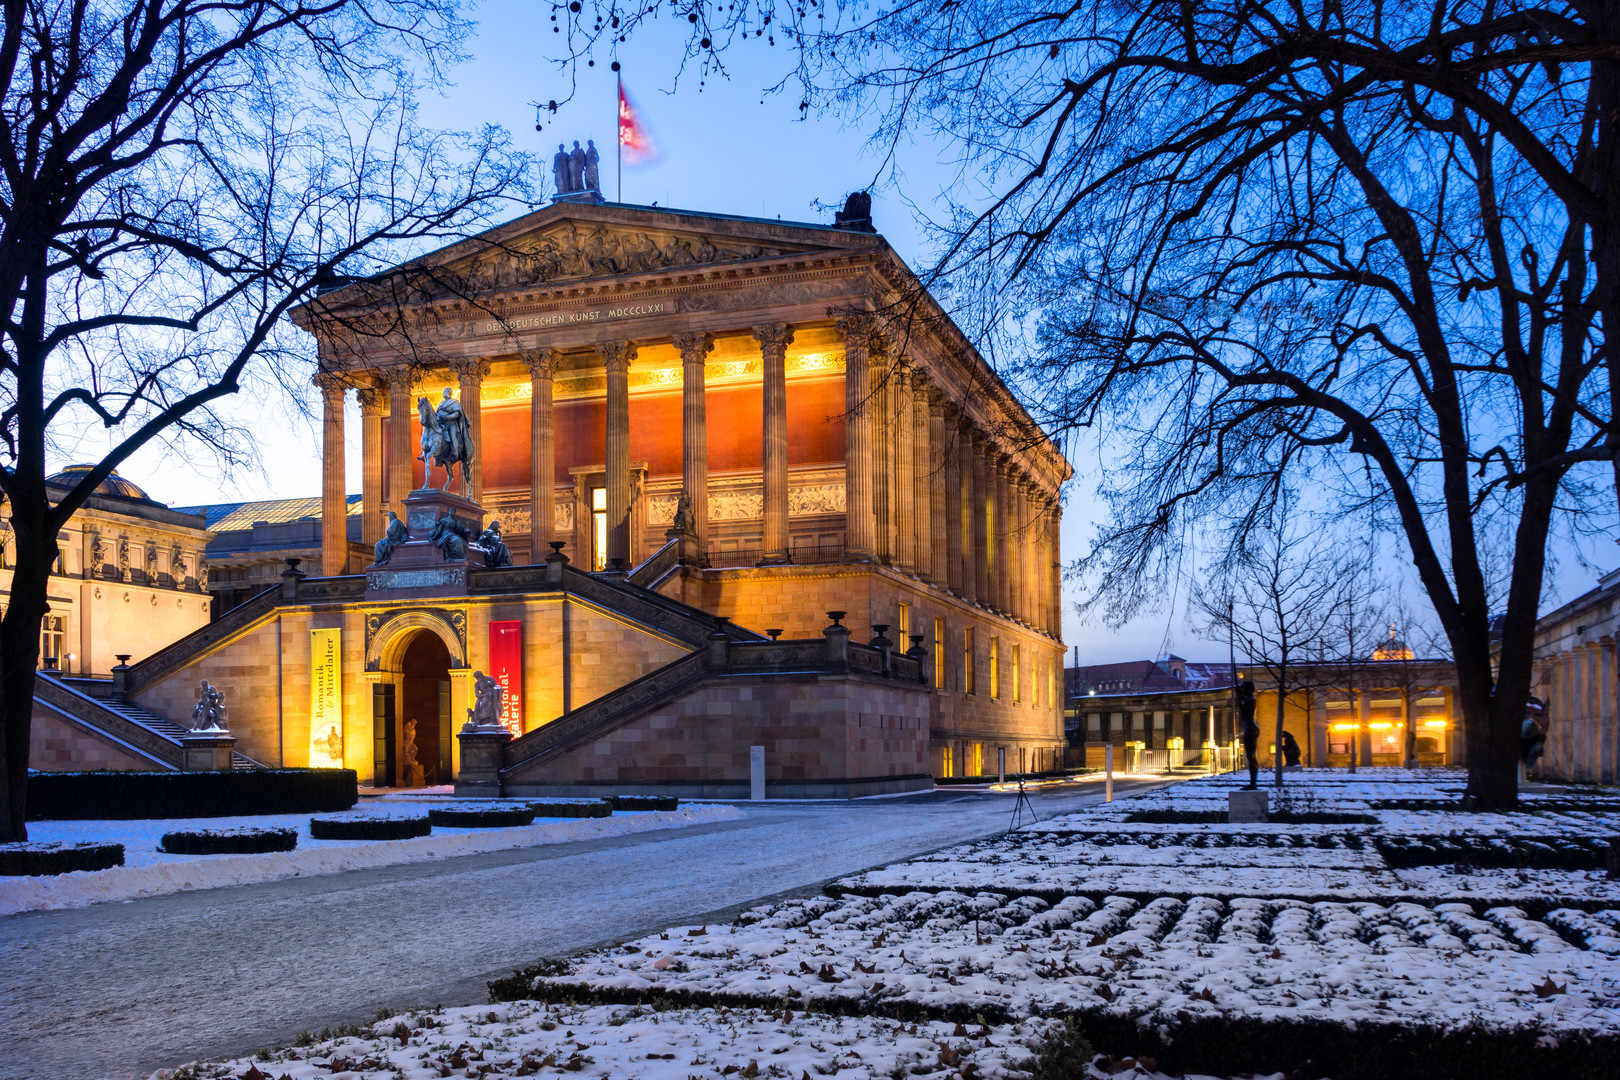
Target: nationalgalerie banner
325, 699
506, 668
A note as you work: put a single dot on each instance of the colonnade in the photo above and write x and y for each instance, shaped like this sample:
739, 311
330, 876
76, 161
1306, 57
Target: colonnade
929, 490
1583, 737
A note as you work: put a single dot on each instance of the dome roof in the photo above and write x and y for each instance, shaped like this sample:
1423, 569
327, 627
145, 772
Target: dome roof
114, 485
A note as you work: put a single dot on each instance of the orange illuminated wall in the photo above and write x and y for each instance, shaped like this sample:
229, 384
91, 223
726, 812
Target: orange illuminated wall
815, 432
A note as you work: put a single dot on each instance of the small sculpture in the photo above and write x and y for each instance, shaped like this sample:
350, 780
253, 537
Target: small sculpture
177, 565
151, 561
202, 574
98, 552
447, 439
393, 536
592, 158
1248, 730
209, 712
450, 537
559, 170
485, 715
411, 768
496, 552
123, 558
685, 515
576, 169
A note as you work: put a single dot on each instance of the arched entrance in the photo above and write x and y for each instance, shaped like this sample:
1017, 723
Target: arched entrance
424, 712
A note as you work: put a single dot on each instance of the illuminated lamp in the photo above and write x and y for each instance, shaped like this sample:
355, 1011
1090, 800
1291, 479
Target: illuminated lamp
1434, 723
1380, 726
1346, 727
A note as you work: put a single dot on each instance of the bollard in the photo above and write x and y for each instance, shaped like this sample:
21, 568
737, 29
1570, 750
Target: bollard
1108, 773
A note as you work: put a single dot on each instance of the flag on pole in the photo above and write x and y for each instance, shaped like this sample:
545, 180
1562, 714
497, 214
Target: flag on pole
635, 141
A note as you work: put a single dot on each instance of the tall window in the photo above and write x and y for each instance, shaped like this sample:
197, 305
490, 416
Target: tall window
1018, 683
995, 667
599, 528
967, 660
904, 626
50, 638
939, 650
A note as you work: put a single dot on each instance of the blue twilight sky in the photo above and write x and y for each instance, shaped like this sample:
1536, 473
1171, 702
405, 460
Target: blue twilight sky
725, 147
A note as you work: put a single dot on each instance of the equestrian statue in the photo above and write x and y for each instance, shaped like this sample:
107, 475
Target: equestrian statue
446, 439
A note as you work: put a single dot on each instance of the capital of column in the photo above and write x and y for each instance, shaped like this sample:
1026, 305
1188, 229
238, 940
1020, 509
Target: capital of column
773, 337
372, 399
470, 367
859, 324
616, 355
331, 384
694, 347
542, 363
399, 380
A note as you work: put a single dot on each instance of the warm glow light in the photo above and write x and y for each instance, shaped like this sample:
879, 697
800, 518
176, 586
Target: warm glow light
1346, 727
1380, 727
1434, 723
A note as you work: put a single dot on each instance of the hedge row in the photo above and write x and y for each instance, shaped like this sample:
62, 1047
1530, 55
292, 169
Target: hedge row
1218, 817
478, 817
246, 841
1229, 1045
55, 857
1495, 852
1325, 840
644, 802
131, 795
368, 827
586, 808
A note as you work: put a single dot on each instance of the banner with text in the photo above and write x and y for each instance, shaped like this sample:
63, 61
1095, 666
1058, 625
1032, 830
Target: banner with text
326, 699
506, 668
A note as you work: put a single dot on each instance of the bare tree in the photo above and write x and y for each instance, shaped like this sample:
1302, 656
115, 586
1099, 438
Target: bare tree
1372, 244
1279, 602
174, 179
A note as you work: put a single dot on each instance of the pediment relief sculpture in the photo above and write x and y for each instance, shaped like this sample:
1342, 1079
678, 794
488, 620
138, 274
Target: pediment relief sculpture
571, 253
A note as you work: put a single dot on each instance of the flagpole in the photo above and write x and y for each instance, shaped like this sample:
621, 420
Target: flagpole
618, 142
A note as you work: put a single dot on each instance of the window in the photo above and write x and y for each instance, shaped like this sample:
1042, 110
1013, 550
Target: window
939, 650
904, 625
945, 762
967, 660
978, 760
50, 639
599, 528
1018, 686
995, 668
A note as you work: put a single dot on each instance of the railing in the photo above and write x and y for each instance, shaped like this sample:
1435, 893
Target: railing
656, 566
765, 656
148, 743
806, 555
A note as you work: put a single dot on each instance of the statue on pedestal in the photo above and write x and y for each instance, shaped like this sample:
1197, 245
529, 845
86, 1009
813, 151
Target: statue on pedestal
592, 175
576, 169
496, 553
559, 170
485, 715
450, 537
411, 768
395, 535
685, 515
209, 713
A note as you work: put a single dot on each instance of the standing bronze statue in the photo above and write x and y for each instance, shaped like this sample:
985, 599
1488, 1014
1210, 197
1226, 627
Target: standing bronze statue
1248, 730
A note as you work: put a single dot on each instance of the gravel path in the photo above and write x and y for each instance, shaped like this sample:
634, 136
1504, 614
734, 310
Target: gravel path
119, 989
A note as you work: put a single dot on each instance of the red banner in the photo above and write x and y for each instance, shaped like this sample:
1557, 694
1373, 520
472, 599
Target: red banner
506, 668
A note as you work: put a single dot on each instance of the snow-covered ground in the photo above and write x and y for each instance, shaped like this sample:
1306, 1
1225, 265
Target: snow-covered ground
1091, 913
150, 872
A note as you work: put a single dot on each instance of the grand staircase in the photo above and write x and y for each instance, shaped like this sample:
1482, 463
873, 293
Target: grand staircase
91, 702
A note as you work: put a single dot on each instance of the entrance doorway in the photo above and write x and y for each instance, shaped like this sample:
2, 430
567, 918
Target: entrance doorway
424, 712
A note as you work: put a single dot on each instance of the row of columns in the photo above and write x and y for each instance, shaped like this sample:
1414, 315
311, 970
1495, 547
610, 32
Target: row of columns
927, 491
1583, 736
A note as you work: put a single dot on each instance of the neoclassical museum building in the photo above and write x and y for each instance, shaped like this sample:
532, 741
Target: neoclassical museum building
700, 434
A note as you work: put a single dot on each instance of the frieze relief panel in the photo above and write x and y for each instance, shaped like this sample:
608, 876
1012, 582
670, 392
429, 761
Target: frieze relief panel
715, 373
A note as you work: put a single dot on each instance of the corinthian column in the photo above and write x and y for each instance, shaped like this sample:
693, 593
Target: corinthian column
334, 503
401, 438
934, 482
882, 453
955, 499
1003, 542
616, 358
773, 342
471, 373
371, 410
903, 467
695, 432
978, 573
858, 526
542, 365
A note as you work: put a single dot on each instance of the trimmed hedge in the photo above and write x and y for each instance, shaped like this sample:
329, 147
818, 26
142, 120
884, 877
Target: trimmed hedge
244, 841
55, 857
1218, 817
644, 802
584, 808
130, 795
370, 827
494, 817
1495, 852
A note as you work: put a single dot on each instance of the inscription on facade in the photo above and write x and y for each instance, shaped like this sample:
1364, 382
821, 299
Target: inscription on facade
568, 318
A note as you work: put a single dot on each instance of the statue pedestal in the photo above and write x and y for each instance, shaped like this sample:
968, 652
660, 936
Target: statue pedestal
417, 568
207, 751
1246, 807
481, 750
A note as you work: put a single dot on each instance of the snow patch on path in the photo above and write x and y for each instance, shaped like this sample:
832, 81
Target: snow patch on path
157, 875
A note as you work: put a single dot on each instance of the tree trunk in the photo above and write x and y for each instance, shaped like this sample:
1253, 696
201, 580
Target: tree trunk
1276, 747
19, 655
1411, 724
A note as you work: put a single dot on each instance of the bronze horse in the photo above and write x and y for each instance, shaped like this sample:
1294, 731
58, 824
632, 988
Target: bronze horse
439, 445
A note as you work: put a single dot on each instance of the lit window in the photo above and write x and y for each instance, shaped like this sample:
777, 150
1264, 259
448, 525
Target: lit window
904, 623
599, 528
995, 668
50, 639
1018, 687
939, 650
967, 660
